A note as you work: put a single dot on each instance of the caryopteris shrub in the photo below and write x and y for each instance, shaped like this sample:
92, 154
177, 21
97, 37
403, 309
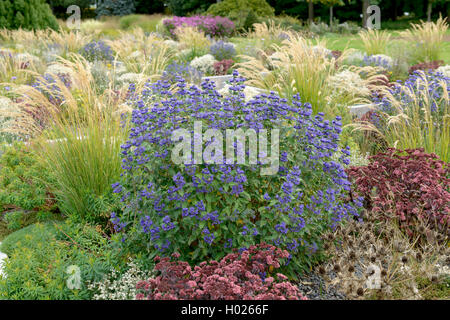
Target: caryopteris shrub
204, 210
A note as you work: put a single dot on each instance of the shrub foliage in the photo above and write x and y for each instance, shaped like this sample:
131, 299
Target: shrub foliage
26, 14
203, 211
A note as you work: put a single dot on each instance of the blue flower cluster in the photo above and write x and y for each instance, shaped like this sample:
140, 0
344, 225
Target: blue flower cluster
423, 85
97, 51
376, 61
222, 50
183, 70
203, 211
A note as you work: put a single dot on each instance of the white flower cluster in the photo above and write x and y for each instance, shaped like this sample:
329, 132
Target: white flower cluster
119, 68
128, 78
249, 91
354, 58
119, 287
135, 54
204, 63
321, 51
5, 103
445, 70
349, 83
171, 44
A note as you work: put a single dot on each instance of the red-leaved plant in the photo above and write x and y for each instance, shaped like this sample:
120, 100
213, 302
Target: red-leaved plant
238, 276
221, 67
425, 66
410, 184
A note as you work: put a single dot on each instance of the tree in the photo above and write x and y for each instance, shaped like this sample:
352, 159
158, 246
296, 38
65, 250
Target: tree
310, 11
149, 6
364, 9
29, 14
244, 13
183, 7
59, 7
331, 4
115, 7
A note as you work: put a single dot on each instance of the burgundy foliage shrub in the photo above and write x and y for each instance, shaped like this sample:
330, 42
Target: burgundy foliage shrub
432, 65
238, 276
221, 67
411, 184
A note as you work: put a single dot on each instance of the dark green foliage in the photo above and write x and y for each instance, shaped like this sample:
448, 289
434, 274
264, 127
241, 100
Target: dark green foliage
59, 8
391, 10
183, 7
244, 13
149, 6
115, 7
26, 14
40, 255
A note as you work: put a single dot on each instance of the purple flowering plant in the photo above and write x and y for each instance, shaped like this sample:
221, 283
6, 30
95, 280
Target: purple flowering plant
222, 50
204, 211
212, 26
376, 61
183, 70
97, 51
430, 86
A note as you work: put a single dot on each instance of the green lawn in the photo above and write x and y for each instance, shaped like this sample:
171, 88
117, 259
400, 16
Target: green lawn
340, 42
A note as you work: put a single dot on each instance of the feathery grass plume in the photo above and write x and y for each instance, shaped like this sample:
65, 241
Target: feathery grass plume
17, 69
267, 34
375, 41
51, 99
141, 53
71, 41
414, 122
83, 153
267, 30
20, 36
91, 25
191, 37
299, 66
428, 38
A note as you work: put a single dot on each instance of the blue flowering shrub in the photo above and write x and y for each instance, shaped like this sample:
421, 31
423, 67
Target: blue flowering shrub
183, 70
223, 50
97, 51
203, 211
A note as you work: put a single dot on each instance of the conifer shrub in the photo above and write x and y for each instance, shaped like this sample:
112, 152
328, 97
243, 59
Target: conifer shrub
26, 14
